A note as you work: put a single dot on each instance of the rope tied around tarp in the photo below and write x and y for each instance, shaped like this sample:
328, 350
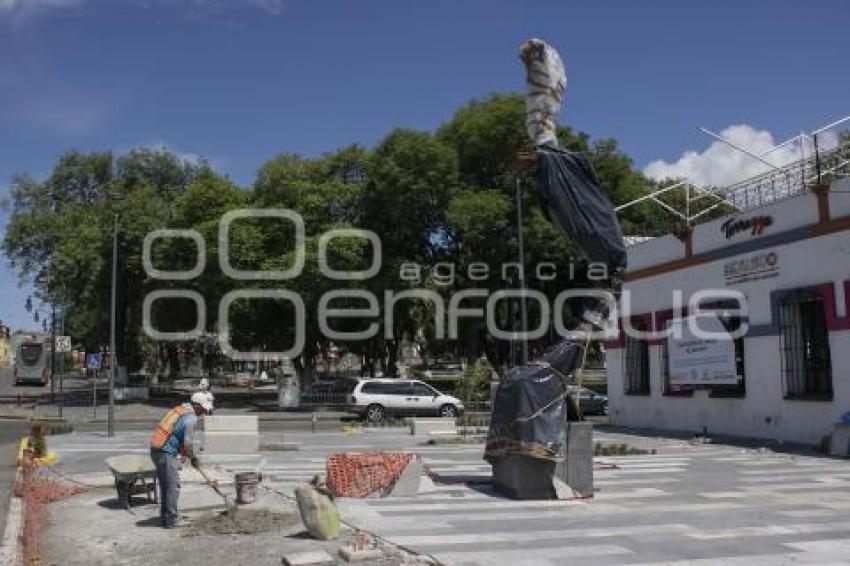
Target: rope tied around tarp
565, 378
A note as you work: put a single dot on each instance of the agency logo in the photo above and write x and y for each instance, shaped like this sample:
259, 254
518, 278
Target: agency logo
449, 306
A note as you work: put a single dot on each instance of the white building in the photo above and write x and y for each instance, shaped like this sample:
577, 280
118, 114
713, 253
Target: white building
791, 260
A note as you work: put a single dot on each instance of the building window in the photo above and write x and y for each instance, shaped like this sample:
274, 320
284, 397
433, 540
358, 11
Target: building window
804, 344
732, 324
637, 363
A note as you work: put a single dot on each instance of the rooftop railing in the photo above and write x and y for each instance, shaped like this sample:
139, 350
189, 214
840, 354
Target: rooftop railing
825, 155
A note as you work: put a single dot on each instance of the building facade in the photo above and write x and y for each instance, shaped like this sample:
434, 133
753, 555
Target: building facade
790, 260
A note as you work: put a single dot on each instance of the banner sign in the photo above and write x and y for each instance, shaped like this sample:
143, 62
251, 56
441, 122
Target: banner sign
700, 361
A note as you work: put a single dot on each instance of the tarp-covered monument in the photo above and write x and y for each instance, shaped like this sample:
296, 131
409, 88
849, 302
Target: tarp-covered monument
531, 406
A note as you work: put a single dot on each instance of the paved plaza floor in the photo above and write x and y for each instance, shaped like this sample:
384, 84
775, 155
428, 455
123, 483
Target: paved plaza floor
690, 503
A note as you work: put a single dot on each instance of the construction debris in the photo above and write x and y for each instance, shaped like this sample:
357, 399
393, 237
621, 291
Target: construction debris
374, 474
311, 558
354, 556
318, 512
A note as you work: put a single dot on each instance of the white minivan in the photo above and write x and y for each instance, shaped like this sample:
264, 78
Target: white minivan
376, 398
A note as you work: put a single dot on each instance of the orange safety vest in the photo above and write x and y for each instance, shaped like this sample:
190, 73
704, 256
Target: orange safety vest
166, 426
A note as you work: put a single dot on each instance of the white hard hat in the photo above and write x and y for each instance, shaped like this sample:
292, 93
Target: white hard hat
204, 385
203, 399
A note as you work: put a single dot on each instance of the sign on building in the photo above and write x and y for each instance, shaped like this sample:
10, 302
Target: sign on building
698, 359
93, 361
63, 344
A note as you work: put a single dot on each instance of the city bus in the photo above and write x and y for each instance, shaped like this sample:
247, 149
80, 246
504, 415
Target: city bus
32, 362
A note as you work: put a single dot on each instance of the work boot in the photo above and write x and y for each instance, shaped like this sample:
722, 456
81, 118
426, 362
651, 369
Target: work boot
181, 522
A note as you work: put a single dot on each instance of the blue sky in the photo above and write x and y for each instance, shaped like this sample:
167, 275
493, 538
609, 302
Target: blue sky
238, 81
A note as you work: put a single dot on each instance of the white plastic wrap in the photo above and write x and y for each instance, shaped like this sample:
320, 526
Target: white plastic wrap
546, 80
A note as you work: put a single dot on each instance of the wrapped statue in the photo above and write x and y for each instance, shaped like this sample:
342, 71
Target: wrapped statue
569, 190
546, 81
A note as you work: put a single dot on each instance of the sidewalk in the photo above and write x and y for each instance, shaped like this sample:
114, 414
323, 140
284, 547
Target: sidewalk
91, 528
150, 412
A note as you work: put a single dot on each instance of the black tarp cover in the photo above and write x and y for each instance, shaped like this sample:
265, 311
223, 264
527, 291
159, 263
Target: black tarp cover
530, 409
573, 200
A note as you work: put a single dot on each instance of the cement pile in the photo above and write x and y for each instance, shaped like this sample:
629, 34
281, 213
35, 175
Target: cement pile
246, 522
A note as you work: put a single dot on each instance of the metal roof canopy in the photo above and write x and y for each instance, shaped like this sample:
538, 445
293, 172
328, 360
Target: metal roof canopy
778, 183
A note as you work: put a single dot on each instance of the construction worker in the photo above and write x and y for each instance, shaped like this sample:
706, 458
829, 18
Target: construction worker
174, 438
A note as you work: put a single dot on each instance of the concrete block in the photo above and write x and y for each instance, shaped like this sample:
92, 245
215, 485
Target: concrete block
231, 442
441, 434
281, 447
310, 558
839, 442
230, 423
131, 393
354, 556
579, 464
428, 427
426, 485
408, 482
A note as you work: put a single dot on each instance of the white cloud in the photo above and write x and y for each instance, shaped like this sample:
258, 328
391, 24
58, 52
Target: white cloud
273, 7
54, 106
20, 10
720, 164
190, 157
12, 5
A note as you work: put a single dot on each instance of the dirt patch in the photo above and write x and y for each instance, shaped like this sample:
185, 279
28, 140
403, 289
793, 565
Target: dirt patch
245, 522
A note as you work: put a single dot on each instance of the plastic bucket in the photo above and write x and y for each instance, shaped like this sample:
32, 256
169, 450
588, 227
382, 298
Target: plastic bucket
246, 487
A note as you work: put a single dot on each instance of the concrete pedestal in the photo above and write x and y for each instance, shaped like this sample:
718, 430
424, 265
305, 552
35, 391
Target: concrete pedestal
577, 471
839, 442
522, 477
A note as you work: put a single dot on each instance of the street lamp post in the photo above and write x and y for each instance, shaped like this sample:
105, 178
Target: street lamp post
522, 304
61, 367
110, 419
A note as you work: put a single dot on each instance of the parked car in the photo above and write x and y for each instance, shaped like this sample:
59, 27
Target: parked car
374, 399
591, 402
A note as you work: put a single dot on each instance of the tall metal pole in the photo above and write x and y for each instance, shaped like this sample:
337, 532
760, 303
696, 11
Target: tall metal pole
522, 304
61, 368
52, 347
113, 359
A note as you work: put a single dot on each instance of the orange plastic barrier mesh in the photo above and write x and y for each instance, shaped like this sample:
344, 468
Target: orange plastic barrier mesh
37, 487
363, 474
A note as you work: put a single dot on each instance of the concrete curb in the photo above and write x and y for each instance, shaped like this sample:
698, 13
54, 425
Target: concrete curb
10, 544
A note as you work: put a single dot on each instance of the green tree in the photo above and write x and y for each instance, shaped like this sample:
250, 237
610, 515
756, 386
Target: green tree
60, 236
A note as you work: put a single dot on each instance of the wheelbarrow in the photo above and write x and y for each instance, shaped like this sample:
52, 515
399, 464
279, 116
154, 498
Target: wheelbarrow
134, 474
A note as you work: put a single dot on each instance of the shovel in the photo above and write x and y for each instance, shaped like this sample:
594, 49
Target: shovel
230, 506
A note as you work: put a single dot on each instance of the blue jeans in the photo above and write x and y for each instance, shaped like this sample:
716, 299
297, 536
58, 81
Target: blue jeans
168, 476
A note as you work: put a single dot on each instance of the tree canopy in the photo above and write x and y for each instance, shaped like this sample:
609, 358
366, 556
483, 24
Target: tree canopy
441, 200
